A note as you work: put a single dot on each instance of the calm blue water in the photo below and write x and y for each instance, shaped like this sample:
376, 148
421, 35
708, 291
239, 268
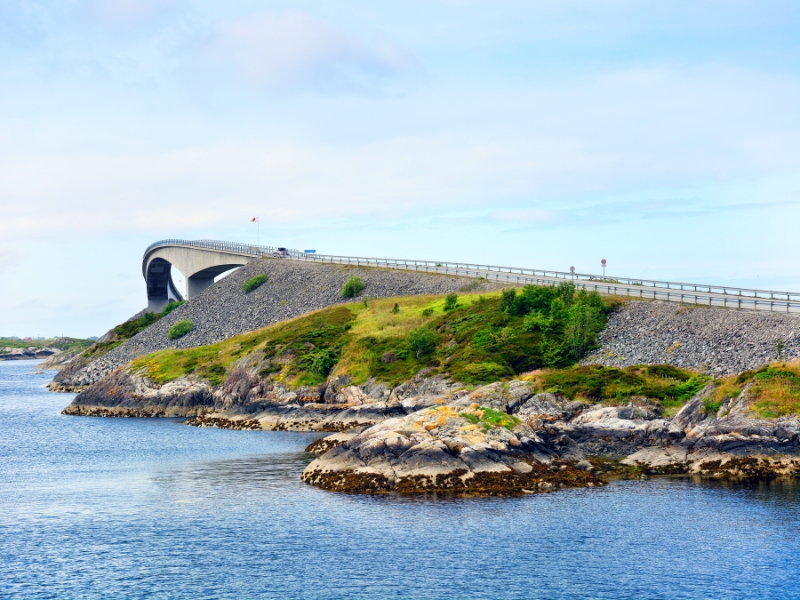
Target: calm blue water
148, 508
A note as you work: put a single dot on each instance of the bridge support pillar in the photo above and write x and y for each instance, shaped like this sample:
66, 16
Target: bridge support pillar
197, 284
156, 304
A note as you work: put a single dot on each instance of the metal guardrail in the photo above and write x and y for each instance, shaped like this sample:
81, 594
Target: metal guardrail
692, 293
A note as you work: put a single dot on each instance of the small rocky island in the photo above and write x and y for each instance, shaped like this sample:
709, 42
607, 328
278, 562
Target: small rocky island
447, 385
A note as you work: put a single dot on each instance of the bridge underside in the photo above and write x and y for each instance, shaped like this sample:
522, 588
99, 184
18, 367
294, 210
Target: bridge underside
200, 267
203, 279
160, 287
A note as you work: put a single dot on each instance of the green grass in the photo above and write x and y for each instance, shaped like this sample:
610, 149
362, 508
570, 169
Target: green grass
668, 384
180, 329
392, 339
254, 282
776, 391
489, 418
300, 351
128, 329
489, 337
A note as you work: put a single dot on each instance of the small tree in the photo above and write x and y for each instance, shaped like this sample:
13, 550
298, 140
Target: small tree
396, 308
421, 342
451, 302
353, 287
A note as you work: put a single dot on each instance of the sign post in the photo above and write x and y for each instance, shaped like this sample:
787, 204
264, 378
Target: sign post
603, 262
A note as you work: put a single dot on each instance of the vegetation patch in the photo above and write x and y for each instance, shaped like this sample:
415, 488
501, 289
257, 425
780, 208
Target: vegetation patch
484, 338
130, 328
487, 418
62, 343
300, 351
451, 302
776, 391
670, 385
352, 287
180, 329
254, 282
171, 305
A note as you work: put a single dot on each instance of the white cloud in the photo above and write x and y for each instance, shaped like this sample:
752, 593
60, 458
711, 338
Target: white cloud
293, 50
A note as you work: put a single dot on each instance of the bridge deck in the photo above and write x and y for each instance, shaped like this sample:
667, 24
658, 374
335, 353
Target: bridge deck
687, 293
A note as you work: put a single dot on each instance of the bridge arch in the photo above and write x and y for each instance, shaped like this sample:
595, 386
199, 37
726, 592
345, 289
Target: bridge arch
199, 265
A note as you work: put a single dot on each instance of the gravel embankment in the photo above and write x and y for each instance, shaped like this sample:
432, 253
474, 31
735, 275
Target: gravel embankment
293, 288
716, 340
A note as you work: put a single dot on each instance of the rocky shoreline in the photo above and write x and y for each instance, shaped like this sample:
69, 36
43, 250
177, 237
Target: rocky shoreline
434, 435
31, 353
545, 443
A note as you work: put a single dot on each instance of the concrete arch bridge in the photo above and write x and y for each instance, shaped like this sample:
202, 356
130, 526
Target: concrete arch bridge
203, 260
200, 261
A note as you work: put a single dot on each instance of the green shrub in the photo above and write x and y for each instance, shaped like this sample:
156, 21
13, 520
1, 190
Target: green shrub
395, 308
320, 362
131, 328
353, 287
421, 342
254, 282
172, 305
609, 383
180, 329
451, 302
427, 312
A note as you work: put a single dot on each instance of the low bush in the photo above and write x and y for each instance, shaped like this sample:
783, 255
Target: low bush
451, 302
254, 282
180, 329
131, 328
421, 342
611, 383
352, 287
171, 305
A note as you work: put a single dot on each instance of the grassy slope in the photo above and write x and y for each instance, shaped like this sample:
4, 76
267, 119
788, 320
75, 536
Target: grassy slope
775, 390
128, 329
475, 344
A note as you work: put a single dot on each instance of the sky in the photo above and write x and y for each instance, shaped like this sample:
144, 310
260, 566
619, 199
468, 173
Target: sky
661, 136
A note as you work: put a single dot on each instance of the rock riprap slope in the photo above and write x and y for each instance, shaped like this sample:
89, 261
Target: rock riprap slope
292, 288
718, 341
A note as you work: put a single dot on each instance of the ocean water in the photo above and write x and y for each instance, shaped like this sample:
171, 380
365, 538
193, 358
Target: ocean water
151, 508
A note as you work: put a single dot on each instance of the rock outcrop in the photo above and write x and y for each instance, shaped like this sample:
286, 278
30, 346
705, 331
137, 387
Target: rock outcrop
31, 353
247, 401
544, 442
445, 449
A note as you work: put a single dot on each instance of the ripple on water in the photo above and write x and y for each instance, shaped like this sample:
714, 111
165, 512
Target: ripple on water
138, 508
